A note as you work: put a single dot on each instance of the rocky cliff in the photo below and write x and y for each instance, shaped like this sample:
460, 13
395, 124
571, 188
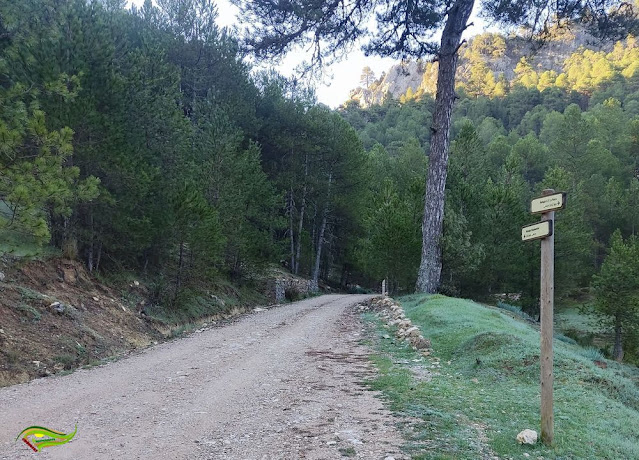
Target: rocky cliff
498, 53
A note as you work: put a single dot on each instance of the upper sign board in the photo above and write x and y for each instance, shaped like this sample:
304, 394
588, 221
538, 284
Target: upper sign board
548, 203
537, 231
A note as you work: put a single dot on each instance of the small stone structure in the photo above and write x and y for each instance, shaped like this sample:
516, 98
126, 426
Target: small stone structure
289, 288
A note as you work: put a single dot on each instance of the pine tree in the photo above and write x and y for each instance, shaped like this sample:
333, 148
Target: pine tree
367, 77
617, 290
36, 182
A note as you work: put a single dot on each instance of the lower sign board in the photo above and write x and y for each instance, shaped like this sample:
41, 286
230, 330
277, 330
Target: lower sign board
536, 231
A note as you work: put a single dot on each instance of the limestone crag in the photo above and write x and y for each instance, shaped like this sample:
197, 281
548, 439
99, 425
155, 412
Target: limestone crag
420, 76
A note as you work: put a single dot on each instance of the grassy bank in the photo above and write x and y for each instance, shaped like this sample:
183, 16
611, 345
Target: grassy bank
481, 387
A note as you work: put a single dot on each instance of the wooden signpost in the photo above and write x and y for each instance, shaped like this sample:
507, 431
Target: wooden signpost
546, 205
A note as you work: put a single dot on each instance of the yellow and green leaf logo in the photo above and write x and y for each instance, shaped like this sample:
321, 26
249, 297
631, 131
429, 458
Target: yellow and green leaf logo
39, 437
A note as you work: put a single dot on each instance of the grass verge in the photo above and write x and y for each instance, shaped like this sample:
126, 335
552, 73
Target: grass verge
482, 388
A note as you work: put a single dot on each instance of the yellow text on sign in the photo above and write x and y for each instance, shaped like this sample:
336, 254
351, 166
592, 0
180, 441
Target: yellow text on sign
536, 231
547, 203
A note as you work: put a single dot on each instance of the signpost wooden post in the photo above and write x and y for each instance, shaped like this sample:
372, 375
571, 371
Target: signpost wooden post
547, 304
546, 205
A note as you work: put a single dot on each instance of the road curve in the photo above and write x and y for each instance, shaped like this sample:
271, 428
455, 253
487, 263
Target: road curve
284, 383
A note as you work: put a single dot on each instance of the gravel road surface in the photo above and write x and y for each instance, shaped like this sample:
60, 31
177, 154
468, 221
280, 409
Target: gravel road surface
284, 383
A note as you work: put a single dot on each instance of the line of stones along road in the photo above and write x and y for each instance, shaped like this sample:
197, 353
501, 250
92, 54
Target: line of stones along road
393, 315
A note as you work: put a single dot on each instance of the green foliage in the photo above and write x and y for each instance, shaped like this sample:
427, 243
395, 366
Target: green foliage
616, 288
159, 152
392, 214
514, 309
505, 151
593, 354
30, 312
36, 183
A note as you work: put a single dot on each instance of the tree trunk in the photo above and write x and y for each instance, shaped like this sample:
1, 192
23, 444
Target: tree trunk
91, 242
290, 229
430, 268
313, 245
617, 352
99, 256
320, 239
178, 275
298, 249
343, 280
318, 256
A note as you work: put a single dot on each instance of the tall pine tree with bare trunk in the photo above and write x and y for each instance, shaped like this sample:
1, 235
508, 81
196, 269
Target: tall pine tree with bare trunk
404, 29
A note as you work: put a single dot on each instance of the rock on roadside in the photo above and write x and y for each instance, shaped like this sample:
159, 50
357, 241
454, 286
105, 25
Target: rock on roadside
527, 437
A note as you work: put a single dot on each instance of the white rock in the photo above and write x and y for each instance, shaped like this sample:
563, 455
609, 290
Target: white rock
137, 283
57, 306
527, 437
257, 310
412, 331
2, 276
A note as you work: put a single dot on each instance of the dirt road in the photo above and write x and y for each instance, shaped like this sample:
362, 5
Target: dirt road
284, 383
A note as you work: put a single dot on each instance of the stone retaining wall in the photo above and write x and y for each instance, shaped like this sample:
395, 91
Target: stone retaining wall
289, 289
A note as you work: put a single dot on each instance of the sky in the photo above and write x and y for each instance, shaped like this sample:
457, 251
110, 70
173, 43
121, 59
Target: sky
341, 77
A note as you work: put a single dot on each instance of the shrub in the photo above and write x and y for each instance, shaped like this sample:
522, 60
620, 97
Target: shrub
514, 309
565, 339
592, 353
29, 311
292, 294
